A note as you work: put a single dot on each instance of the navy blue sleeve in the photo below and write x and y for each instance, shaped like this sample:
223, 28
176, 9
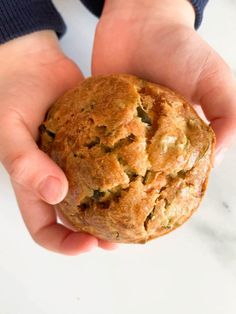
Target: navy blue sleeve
96, 6
199, 6
21, 17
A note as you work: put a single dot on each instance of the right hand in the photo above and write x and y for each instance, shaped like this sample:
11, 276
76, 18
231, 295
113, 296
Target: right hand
157, 42
34, 73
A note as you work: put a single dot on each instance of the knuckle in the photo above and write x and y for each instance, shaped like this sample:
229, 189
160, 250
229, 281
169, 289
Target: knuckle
41, 236
37, 238
18, 168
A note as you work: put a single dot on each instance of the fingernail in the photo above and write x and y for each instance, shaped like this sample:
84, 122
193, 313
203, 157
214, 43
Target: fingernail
51, 190
219, 156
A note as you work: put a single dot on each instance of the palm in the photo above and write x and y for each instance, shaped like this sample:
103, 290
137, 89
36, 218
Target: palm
37, 87
174, 56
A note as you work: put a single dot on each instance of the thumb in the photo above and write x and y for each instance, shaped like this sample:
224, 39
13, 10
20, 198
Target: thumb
216, 93
27, 165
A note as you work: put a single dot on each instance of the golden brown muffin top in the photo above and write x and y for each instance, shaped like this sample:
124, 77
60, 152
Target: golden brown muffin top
136, 155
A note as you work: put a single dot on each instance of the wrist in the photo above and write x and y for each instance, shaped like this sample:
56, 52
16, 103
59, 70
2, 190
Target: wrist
165, 11
178, 11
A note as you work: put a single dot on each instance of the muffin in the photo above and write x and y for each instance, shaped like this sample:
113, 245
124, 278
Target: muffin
136, 155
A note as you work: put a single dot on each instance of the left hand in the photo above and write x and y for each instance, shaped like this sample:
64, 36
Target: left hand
156, 40
34, 72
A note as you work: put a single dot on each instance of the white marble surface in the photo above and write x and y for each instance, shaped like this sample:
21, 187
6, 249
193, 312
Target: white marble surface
190, 271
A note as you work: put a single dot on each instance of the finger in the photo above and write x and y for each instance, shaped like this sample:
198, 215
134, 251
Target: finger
225, 130
106, 245
62, 219
41, 221
216, 92
200, 112
27, 165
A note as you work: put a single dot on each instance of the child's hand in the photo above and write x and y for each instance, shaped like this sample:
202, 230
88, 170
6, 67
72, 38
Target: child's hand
33, 74
155, 39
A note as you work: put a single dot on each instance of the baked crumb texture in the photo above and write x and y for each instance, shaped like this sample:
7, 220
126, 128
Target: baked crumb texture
136, 155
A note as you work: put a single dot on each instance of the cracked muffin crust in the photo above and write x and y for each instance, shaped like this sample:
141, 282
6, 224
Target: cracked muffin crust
136, 155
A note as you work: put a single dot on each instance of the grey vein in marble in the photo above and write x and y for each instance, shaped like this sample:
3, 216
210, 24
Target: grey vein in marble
221, 242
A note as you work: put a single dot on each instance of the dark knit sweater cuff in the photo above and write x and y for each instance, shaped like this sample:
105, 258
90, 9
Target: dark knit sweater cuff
199, 6
21, 17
